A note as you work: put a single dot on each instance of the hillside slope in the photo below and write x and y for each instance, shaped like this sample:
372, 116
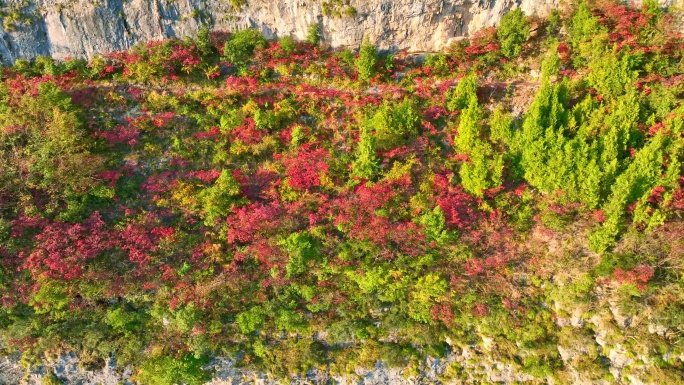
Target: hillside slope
510, 209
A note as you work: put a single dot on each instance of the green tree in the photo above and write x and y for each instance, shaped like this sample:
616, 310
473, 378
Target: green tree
469, 128
484, 167
313, 34
394, 125
239, 48
50, 153
632, 185
302, 248
203, 42
464, 95
51, 379
551, 64
513, 32
218, 199
367, 61
483, 170
172, 370
290, 320
288, 45
613, 73
424, 295
124, 320
435, 226
583, 26
251, 320
541, 138
366, 164
553, 24
501, 127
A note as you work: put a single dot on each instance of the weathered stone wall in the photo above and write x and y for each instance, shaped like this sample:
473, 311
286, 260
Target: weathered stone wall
83, 28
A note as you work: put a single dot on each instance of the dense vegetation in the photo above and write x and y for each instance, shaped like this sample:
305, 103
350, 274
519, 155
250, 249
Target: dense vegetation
515, 200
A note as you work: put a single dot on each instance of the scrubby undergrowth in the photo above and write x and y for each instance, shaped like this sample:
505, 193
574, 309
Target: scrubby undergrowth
518, 197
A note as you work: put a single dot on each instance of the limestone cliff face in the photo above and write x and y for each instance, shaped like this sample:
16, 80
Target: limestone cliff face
83, 28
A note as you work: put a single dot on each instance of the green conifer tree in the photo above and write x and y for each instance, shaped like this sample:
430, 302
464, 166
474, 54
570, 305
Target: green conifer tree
367, 61
464, 94
513, 32
366, 164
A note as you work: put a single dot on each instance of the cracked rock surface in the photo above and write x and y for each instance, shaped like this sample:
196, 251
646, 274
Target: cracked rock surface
84, 28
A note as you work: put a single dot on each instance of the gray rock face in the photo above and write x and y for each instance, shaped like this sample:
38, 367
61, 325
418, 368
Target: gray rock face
83, 28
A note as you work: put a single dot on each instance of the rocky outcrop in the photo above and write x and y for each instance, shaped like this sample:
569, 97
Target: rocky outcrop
83, 28
68, 370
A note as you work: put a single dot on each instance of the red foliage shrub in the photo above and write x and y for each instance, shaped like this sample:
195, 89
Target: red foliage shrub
23, 223
259, 185
141, 239
206, 176
599, 216
474, 266
242, 85
357, 211
334, 66
213, 133
564, 53
248, 133
111, 176
654, 129
434, 112
480, 310
458, 206
159, 183
268, 255
304, 170
246, 222
624, 22
678, 196
63, 249
163, 119
443, 313
483, 42
188, 57
218, 39
121, 134
656, 194
638, 276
